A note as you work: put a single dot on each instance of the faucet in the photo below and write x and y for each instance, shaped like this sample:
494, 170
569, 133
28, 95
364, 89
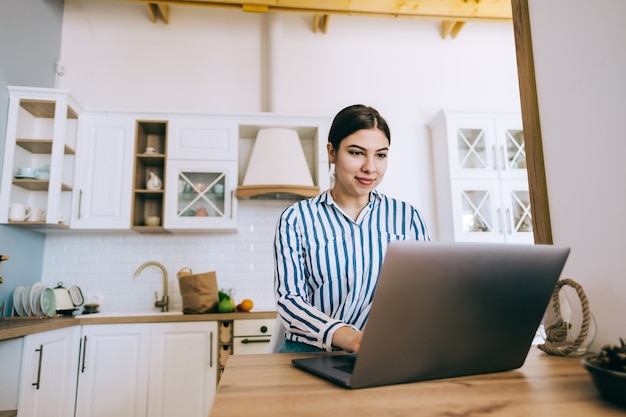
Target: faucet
164, 302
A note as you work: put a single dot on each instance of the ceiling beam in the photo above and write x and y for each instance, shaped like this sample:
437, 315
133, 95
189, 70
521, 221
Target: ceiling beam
453, 13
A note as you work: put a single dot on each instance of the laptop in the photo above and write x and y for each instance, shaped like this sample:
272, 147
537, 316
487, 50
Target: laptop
445, 310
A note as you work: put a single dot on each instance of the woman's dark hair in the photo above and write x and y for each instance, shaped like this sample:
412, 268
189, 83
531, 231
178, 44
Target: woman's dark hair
353, 118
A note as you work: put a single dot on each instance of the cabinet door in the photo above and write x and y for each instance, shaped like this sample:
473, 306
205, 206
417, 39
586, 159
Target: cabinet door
113, 371
511, 148
183, 369
49, 373
104, 173
476, 211
517, 218
200, 195
202, 139
472, 149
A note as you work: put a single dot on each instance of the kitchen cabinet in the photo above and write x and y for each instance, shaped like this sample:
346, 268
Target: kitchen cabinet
481, 181
157, 369
252, 336
201, 175
202, 139
149, 175
183, 369
41, 134
104, 174
48, 380
199, 195
113, 370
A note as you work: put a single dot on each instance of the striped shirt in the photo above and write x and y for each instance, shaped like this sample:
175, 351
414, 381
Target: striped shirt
327, 265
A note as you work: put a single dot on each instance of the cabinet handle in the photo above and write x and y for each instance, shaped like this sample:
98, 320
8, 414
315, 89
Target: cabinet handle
40, 350
499, 213
82, 366
246, 341
494, 151
80, 204
505, 164
211, 351
509, 224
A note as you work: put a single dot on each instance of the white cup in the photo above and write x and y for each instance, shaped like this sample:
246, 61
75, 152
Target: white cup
18, 212
37, 215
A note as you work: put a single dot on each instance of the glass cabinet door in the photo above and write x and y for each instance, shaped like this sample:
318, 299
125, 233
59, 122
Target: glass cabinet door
199, 194
518, 218
472, 148
475, 210
511, 149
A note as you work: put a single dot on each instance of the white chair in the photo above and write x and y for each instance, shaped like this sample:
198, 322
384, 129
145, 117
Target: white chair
278, 336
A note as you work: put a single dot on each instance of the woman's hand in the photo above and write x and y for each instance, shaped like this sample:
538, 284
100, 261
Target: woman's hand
348, 339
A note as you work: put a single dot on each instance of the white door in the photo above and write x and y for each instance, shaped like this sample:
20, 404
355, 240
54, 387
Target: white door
183, 369
113, 371
104, 175
48, 381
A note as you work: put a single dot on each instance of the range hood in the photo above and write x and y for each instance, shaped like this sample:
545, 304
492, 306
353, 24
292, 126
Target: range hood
277, 167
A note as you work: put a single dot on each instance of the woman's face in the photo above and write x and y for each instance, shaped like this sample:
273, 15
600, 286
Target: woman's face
360, 162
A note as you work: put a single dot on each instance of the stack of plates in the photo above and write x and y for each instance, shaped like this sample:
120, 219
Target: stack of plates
34, 301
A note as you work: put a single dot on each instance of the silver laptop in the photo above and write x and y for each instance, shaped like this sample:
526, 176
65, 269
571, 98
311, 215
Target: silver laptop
448, 309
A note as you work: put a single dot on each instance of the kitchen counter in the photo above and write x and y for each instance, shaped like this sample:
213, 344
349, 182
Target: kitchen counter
268, 385
18, 327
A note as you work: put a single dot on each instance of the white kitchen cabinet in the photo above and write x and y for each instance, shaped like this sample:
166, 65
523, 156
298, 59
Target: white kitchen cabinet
48, 373
183, 369
113, 370
202, 139
252, 336
199, 195
42, 125
481, 181
105, 172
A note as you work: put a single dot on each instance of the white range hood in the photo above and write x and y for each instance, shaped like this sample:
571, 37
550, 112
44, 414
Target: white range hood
277, 166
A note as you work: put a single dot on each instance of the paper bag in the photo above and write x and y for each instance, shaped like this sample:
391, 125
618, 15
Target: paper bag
199, 291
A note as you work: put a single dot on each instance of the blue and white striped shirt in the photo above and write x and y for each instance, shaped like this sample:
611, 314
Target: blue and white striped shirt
327, 265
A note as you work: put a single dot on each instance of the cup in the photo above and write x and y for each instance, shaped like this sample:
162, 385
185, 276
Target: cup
219, 189
18, 212
150, 149
37, 215
27, 172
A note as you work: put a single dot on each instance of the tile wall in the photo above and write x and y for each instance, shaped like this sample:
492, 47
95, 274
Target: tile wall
103, 264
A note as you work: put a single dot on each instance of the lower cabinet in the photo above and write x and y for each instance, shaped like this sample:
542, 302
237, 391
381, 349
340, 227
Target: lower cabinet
183, 369
113, 370
155, 369
48, 382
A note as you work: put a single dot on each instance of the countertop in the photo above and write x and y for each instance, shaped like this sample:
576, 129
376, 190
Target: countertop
18, 327
268, 385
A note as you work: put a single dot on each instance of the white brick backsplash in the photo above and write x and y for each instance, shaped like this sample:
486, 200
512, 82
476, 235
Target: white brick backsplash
105, 263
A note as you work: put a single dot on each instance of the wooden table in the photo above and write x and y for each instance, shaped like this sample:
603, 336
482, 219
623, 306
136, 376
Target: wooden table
269, 386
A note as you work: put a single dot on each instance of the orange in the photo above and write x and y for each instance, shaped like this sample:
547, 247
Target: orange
245, 305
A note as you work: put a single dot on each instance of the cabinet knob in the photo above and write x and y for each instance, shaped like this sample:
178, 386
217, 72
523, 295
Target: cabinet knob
263, 329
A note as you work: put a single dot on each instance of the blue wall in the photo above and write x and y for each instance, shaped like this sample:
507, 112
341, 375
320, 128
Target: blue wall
30, 46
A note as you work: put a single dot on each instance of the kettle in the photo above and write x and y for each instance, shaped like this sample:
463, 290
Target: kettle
67, 300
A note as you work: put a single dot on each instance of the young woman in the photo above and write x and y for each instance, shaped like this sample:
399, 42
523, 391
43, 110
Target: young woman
329, 249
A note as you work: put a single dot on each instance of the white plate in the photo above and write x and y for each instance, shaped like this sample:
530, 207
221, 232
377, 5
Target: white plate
26, 301
35, 294
17, 300
48, 303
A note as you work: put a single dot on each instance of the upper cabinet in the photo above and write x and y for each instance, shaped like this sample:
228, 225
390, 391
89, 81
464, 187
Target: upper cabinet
39, 158
151, 172
480, 177
104, 172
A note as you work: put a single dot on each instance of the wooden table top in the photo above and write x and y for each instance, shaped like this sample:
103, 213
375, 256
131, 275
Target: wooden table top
268, 385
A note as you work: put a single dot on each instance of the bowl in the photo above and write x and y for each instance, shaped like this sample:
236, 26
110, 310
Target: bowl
27, 172
610, 384
152, 221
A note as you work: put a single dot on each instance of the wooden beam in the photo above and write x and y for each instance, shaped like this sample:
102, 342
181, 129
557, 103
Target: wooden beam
456, 10
164, 9
152, 11
320, 21
451, 28
159, 9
